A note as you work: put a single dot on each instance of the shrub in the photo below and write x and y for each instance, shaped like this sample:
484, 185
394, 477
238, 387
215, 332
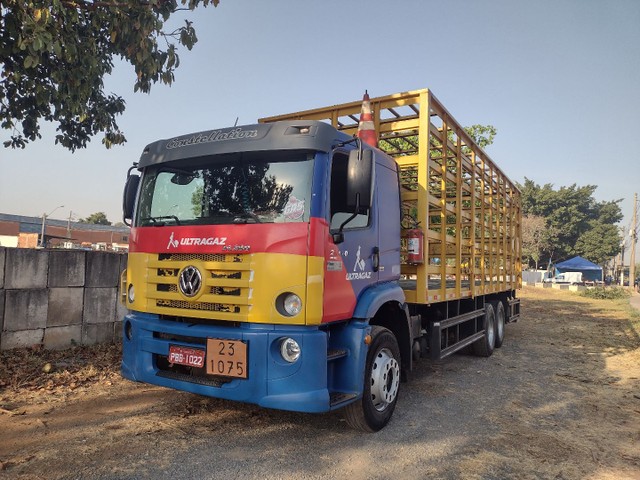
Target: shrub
606, 293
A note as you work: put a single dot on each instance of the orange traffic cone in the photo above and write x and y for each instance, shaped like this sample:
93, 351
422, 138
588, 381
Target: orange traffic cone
366, 128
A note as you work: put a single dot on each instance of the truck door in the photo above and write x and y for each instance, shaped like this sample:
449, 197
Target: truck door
387, 193
349, 266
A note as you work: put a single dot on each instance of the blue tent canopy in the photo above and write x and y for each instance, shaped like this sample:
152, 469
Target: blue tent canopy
590, 271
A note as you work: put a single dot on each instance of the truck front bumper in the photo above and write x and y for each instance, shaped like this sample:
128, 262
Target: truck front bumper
272, 382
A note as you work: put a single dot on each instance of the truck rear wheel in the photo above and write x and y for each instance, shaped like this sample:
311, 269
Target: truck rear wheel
484, 346
498, 308
381, 384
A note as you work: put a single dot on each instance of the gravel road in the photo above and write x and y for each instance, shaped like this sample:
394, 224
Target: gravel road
559, 400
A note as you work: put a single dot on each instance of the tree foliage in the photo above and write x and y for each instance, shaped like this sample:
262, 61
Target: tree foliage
483, 135
599, 243
98, 218
581, 225
56, 53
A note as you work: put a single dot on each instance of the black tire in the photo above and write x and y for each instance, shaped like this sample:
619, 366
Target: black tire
381, 384
498, 308
484, 346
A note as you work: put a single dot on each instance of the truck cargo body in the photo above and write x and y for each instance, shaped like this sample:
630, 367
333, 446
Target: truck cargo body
263, 269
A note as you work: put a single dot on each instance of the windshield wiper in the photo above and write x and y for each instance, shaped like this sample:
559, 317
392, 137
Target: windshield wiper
157, 221
246, 217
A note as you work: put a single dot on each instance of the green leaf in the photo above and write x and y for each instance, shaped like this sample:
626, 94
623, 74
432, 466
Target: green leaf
67, 87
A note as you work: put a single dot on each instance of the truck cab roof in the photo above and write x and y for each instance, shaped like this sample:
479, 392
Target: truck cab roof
307, 135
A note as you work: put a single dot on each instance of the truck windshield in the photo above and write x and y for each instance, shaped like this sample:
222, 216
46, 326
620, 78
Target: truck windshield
239, 188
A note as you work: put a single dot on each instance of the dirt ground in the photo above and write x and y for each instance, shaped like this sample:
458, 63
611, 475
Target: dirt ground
559, 400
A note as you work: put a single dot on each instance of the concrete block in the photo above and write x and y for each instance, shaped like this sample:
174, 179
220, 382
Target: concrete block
25, 268
25, 309
24, 338
577, 288
103, 269
117, 332
66, 268
1, 309
99, 305
97, 333
57, 338
543, 285
2, 257
65, 307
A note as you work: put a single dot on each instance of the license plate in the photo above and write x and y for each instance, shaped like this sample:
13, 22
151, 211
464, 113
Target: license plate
227, 358
191, 357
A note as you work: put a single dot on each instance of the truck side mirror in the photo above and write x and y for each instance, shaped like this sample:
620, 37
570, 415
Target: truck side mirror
359, 179
129, 197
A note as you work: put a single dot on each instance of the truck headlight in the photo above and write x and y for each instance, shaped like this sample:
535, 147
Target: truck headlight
290, 350
289, 304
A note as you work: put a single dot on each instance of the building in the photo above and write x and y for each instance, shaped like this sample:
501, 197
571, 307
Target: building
26, 232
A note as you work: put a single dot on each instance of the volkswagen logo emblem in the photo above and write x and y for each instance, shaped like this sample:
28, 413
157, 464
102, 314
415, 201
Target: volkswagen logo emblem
190, 281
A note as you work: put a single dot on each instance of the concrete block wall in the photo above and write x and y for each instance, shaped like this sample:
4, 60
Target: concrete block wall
59, 298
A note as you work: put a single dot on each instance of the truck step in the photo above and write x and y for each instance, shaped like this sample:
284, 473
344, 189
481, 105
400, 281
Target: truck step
336, 398
336, 353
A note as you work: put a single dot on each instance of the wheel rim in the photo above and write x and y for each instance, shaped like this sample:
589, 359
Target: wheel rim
385, 379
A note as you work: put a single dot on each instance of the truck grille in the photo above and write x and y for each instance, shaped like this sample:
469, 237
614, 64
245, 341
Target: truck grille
207, 257
207, 306
226, 283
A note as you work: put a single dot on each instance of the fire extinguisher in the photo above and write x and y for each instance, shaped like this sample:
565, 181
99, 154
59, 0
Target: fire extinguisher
415, 245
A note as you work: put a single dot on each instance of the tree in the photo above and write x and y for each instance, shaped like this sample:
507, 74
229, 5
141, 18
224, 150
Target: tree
483, 135
98, 218
572, 212
537, 238
55, 55
599, 243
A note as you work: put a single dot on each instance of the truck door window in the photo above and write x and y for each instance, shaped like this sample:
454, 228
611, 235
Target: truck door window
338, 196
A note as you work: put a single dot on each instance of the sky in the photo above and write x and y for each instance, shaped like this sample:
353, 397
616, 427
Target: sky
559, 80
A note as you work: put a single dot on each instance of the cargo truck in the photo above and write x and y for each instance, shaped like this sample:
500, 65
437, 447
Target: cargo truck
291, 265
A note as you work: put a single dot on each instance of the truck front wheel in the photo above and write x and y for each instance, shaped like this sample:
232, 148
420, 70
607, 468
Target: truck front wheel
381, 384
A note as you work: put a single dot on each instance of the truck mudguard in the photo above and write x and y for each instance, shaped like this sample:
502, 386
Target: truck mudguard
376, 296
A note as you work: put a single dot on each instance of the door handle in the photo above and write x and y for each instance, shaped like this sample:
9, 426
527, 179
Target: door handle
376, 259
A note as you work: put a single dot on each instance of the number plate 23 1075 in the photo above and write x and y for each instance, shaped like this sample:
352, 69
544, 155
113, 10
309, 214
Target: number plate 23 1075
227, 358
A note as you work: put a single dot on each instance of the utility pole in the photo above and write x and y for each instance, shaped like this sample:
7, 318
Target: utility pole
622, 245
634, 239
69, 224
44, 221
43, 243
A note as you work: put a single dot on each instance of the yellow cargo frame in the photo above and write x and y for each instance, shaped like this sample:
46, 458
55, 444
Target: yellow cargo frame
447, 181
